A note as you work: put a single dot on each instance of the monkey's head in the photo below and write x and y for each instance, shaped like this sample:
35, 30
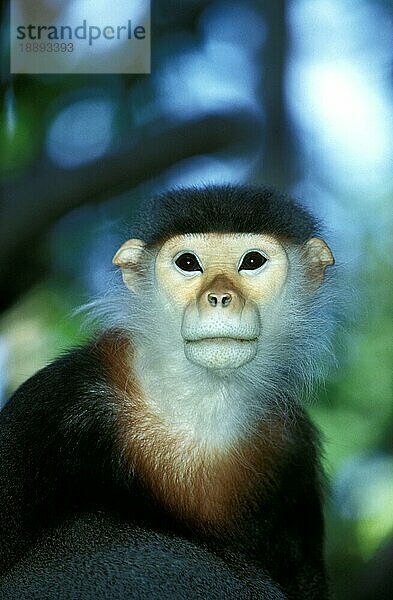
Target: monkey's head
227, 267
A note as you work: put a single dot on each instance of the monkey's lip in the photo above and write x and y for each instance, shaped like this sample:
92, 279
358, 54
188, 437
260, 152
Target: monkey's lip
221, 339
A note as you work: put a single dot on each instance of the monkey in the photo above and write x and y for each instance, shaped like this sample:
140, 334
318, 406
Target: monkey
178, 434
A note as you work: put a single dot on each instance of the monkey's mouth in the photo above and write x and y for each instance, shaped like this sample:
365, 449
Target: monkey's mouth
222, 340
221, 352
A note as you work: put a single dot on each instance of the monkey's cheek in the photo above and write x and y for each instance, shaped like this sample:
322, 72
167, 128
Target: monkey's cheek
220, 353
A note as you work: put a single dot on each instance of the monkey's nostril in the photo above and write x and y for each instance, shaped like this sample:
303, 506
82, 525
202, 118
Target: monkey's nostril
212, 299
223, 299
226, 299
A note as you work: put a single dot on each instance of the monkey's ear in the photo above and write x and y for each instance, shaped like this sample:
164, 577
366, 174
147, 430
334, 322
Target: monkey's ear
319, 257
128, 258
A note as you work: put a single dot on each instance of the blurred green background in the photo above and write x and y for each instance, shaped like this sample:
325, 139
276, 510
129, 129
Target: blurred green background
297, 94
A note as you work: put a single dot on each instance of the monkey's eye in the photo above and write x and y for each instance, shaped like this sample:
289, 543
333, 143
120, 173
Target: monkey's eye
252, 261
188, 262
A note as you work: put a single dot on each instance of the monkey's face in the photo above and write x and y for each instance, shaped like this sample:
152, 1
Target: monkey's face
223, 288
219, 295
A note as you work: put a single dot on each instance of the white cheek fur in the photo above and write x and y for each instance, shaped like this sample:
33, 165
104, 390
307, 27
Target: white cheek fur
215, 406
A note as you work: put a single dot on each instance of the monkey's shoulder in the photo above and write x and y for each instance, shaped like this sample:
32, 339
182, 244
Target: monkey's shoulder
63, 419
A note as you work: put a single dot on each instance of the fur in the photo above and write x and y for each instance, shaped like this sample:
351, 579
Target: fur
225, 209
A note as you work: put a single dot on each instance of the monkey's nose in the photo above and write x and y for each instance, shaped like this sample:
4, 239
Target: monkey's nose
221, 299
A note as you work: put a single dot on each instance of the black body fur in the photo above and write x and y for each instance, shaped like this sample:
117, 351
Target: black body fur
75, 524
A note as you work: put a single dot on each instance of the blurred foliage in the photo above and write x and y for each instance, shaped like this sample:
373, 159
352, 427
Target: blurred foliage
18, 141
355, 415
38, 328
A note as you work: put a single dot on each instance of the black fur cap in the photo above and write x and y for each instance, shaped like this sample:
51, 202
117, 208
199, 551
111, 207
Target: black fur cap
225, 209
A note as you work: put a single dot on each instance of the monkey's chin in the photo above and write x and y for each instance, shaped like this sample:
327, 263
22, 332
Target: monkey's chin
220, 353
